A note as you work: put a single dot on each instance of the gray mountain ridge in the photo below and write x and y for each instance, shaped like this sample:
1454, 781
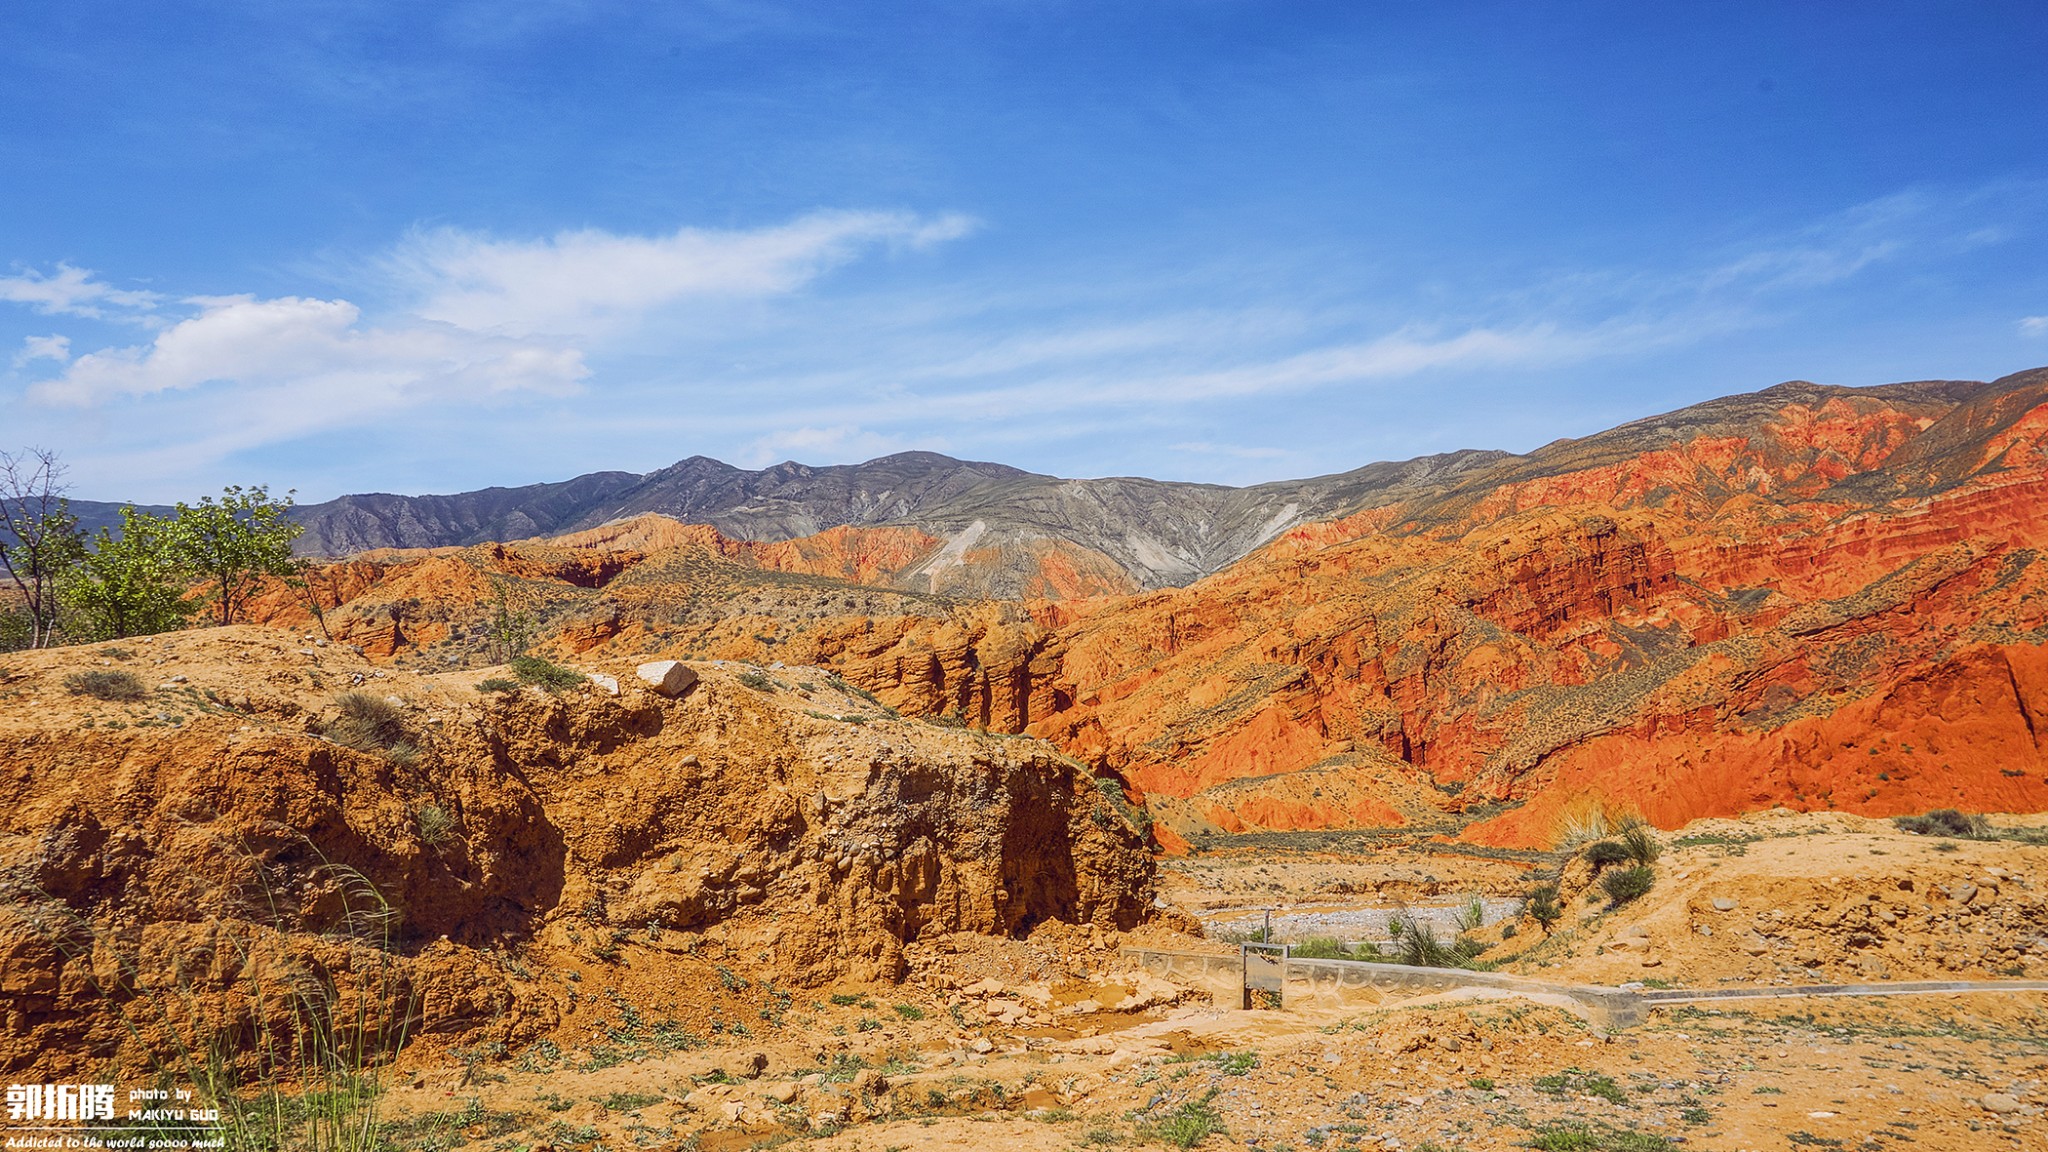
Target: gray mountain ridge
1161, 533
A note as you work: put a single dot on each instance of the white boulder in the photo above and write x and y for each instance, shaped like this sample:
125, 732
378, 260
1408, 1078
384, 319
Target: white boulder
668, 677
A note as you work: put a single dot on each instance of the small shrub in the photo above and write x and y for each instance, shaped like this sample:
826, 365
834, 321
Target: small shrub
105, 684
758, 681
910, 1012
629, 1101
1543, 907
1321, 948
1626, 884
1418, 947
367, 723
434, 823
117, 653
1601, 853
1946, 822
1641, 844
497, 684
546, 674
1481, 1083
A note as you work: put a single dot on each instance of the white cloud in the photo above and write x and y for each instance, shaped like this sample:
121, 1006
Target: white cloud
71, 292
2033, 325
35, 348
309, 346
577, 282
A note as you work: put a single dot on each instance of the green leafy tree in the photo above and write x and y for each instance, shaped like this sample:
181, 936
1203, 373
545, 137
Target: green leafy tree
39, 537
132, 584
234, 543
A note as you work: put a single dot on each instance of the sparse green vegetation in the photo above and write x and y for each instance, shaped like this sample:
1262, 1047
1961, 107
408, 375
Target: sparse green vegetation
497, 684
758, 681
367, 723
1946, 822
1595, 1138
1578, 1081
1234, 1063
1640, 845
546, 674
1601, 853
1188, 1124
110, 684
434, 823
1626, 884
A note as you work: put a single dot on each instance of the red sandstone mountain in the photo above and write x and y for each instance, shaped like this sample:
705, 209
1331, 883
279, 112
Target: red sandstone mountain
1810, 596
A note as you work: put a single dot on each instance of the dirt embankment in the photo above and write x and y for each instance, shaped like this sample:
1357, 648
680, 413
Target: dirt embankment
186, 867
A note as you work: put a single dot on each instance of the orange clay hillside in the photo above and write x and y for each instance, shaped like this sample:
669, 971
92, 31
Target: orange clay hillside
1811, 596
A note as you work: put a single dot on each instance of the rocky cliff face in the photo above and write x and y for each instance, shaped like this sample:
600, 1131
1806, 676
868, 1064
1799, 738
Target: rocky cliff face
1809, 595
166, 859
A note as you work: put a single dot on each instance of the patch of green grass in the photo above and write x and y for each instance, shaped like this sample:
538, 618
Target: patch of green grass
629, 1101
1946, 822
1234, 1063
107, 684
1321, 948
546, 674
1640, 844
434, 823
1603, 852
438, 1131
1595, 1138
910, 1012
497, 684
1625, 884
1578, 1081
1189, 1124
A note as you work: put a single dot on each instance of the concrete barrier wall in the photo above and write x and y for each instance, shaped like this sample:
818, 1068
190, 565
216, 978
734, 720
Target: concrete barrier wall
1356, 983
1220, 974
1341, 983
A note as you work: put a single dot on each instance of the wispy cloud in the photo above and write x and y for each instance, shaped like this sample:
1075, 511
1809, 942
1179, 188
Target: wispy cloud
33, 348
309, 346
585, 281
482, 319
72, 291
742, 343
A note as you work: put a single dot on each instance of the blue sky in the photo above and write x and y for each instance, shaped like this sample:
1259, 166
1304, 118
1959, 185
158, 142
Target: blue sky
403, 247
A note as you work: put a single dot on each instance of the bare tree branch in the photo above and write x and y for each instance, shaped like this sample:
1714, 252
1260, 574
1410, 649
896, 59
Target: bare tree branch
38, 534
